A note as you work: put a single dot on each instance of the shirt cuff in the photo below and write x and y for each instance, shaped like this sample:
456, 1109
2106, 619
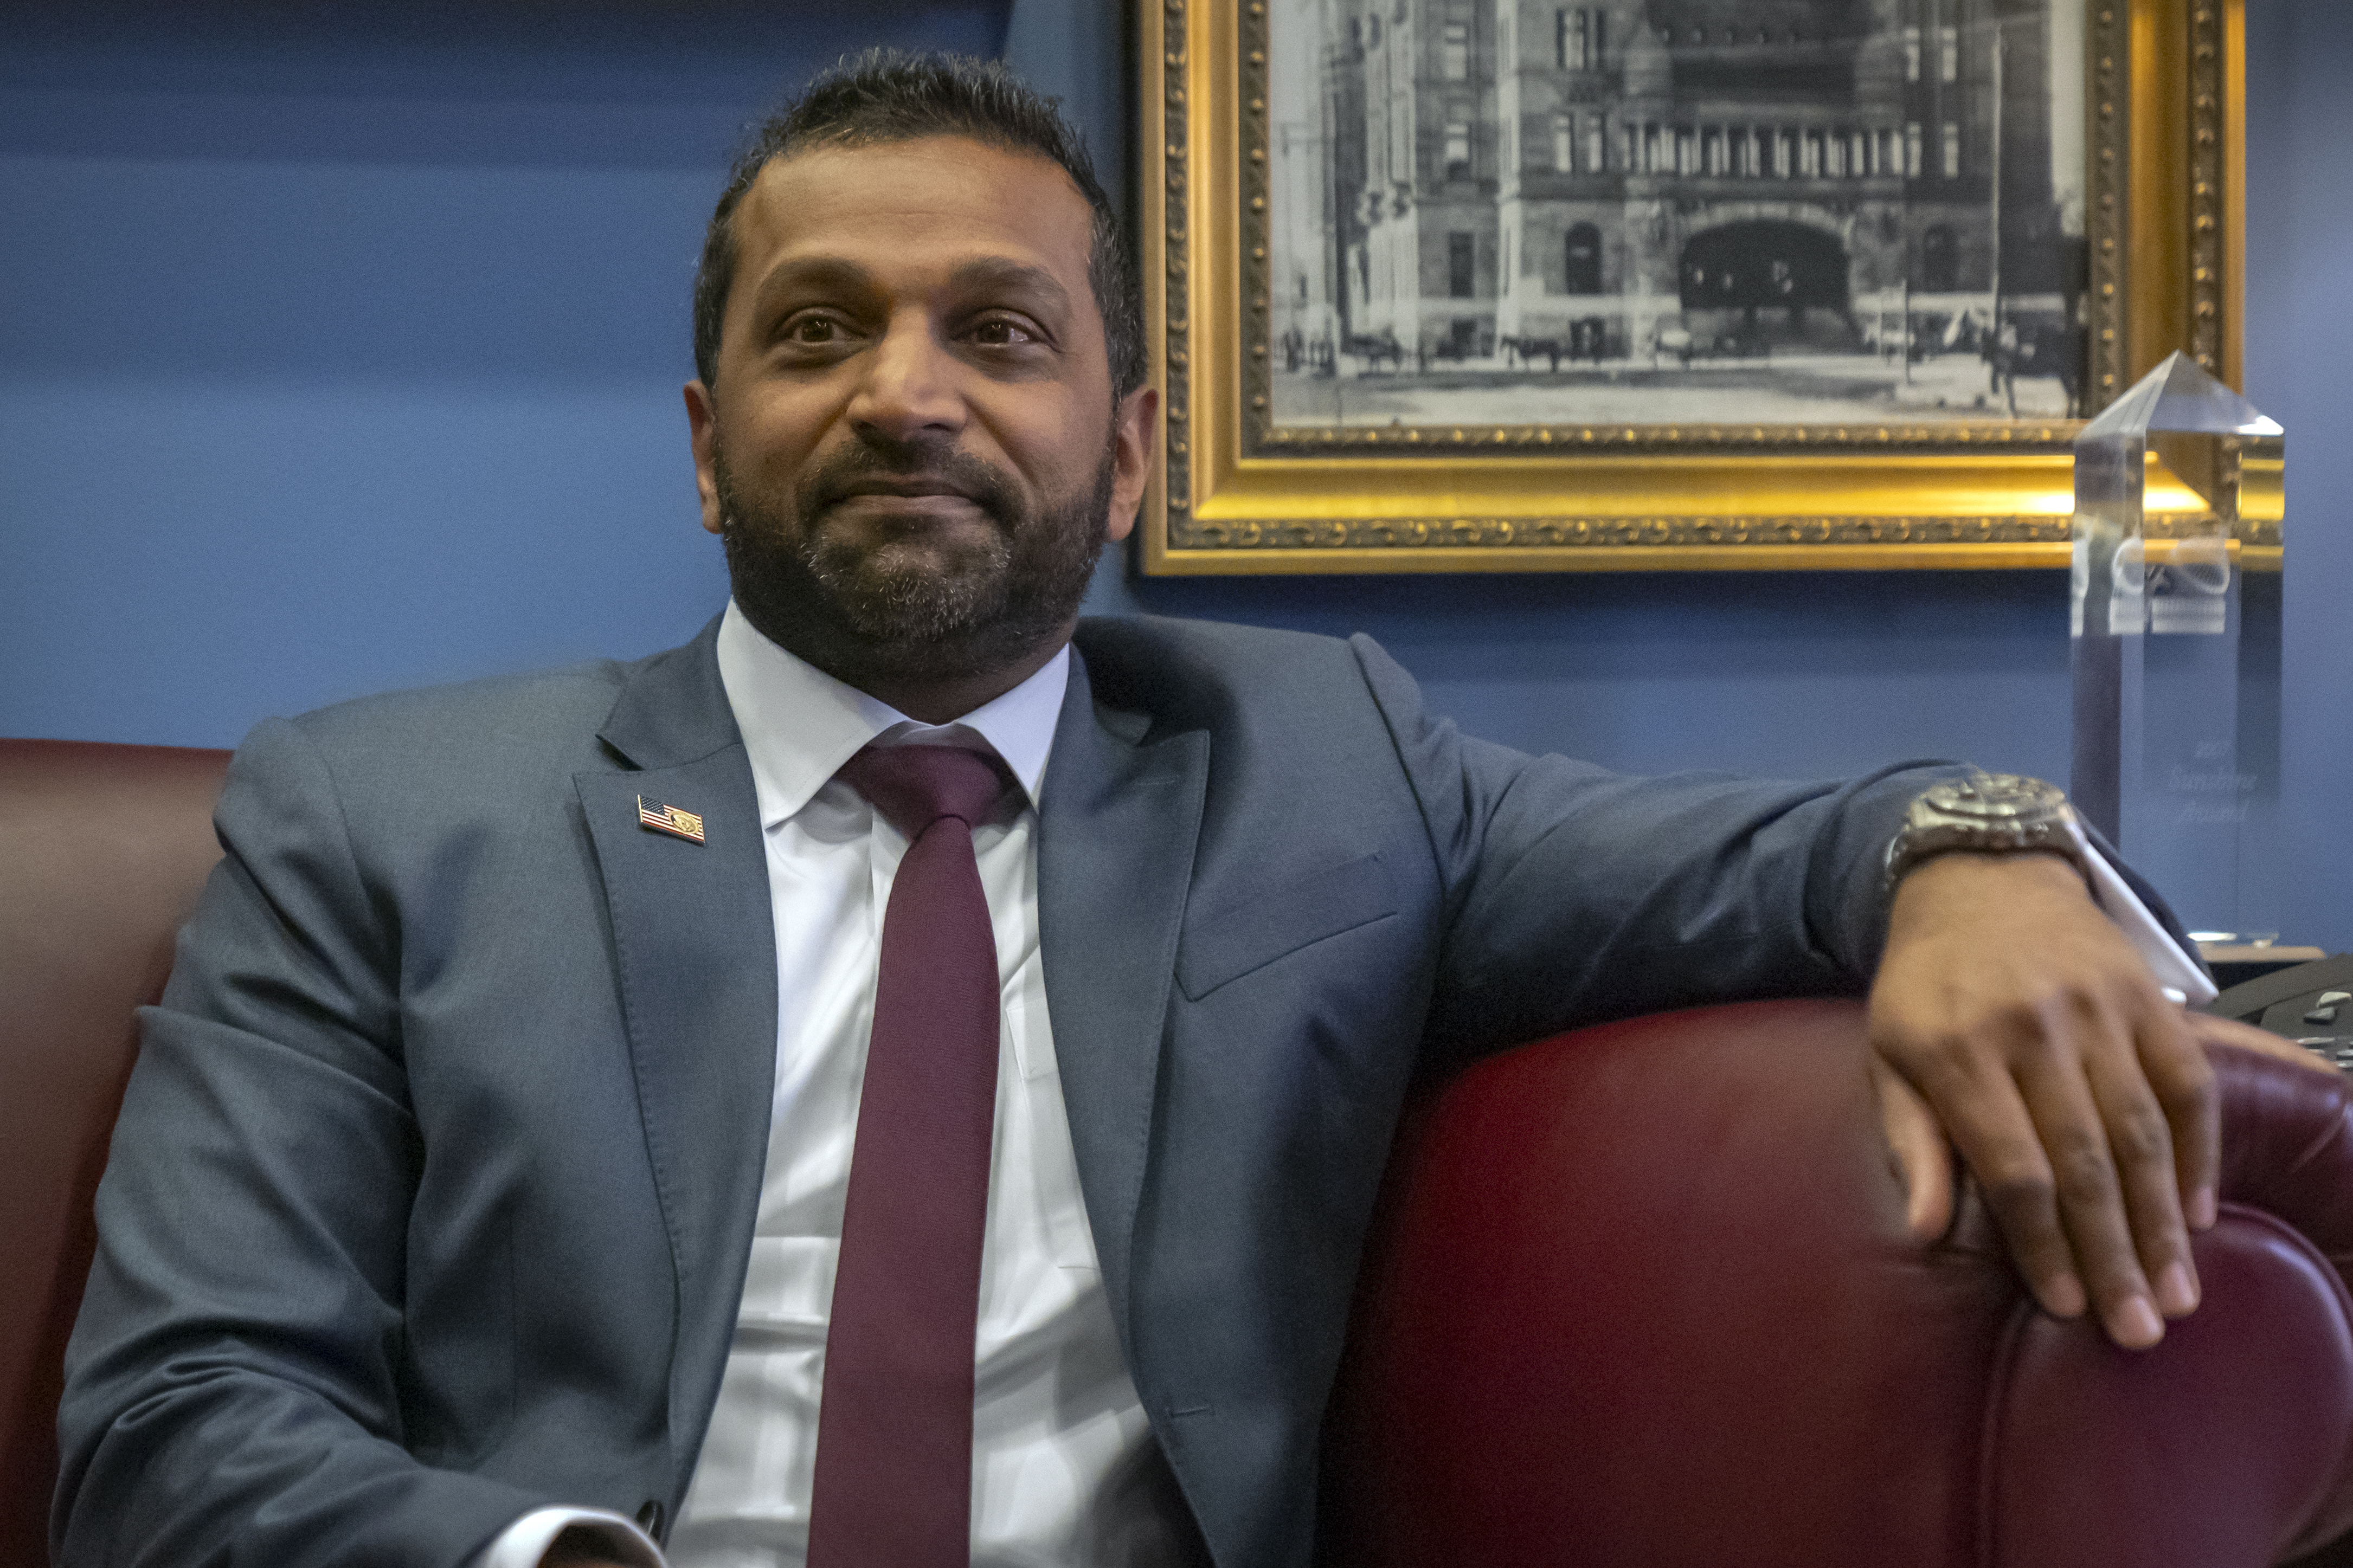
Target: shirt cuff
522, 1544
2175, 970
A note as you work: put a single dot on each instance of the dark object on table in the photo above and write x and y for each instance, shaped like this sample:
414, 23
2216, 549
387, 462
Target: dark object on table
2311, 1003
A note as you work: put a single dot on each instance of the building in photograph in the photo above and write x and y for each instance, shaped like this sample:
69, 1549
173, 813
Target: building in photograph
1695, 178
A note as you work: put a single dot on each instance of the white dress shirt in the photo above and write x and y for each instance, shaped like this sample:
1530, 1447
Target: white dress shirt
1064, 1471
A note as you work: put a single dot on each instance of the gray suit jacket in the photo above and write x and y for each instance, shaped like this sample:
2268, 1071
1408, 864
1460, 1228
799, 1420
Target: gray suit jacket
433, 1189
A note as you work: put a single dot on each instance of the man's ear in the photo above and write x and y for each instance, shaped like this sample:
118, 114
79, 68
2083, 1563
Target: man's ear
1134, 425
703, 433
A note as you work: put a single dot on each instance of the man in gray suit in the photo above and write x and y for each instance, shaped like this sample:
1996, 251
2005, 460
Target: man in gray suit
478, 1193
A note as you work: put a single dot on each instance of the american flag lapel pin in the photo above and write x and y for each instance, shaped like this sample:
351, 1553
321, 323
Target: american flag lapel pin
669, 819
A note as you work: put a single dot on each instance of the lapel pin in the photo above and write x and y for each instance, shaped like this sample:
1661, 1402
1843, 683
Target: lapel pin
668, 819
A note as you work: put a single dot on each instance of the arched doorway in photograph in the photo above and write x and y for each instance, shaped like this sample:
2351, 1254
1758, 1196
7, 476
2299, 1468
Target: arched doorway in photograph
1940, 266
1738, 272
1584, 247
1764, 261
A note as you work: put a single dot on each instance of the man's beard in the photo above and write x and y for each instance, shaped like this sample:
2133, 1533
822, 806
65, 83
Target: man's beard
855, 611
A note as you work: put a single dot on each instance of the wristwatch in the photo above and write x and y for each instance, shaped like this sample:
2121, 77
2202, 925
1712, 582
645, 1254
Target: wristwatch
1988, 813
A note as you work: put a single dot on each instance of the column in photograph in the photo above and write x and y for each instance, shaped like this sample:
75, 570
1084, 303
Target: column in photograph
1880, 252
1307, 209
1648, 304
1385, 290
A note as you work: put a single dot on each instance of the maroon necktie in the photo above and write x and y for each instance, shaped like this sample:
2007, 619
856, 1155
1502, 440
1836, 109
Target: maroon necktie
894, 1486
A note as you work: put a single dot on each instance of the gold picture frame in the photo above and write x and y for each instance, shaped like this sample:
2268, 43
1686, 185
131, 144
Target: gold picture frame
1234, 493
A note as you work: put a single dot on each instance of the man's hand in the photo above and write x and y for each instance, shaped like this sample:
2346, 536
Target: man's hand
2009, 1015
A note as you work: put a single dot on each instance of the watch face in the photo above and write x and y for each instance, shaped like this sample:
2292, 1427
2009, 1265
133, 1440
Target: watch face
1995, 798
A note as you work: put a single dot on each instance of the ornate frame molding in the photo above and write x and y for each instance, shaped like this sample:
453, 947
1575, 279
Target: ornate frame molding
1236, 494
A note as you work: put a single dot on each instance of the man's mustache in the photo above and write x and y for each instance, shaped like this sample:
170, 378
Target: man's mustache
909, 467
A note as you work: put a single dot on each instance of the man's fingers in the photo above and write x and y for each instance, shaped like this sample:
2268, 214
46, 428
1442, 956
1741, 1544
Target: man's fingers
2090, 1196
1922, 1159
2175, 1067
1988, 1121
2140, 1139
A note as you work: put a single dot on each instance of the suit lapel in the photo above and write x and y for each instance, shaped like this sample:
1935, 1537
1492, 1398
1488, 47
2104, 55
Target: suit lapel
1116, 831
694, 947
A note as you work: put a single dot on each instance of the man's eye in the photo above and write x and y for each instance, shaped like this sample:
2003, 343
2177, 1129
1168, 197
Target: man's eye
813, 329
1000, 333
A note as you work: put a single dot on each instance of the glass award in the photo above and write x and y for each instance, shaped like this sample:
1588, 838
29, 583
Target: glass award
2175, 664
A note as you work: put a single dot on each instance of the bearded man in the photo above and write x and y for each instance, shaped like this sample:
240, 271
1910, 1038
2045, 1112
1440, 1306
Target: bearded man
903, 1078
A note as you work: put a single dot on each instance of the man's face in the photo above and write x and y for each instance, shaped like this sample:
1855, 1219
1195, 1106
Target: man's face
912, 451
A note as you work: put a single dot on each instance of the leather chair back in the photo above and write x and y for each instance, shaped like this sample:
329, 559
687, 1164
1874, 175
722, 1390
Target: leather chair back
102, 849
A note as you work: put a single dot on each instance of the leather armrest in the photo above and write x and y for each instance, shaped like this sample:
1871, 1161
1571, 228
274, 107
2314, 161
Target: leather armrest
2234, 1442
1641, 1294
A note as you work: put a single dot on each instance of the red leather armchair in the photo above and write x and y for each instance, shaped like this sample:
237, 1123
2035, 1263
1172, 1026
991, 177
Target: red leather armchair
1640, 1294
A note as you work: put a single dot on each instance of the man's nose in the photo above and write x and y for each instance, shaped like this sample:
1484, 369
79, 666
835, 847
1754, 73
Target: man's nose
909, 387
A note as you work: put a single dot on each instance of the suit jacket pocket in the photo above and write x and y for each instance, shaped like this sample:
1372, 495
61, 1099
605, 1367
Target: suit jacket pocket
1247, 933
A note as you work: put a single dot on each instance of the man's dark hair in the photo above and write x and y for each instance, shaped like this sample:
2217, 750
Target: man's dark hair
888, 95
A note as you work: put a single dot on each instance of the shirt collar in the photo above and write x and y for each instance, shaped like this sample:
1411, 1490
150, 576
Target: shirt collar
800, 725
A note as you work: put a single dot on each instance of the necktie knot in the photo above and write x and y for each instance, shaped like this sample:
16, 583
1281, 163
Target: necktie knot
914, 786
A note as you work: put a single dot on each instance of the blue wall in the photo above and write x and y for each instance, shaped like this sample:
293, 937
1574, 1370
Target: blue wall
341, 345
2300, 370
340, 349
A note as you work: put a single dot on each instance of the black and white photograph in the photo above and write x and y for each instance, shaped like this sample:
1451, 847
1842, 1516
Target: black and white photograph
1675, 212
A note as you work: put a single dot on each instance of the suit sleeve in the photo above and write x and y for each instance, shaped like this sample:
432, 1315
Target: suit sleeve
1576, 895
232, 1382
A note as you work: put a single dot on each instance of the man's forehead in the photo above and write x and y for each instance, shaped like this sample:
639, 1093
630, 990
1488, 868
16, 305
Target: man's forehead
933, 190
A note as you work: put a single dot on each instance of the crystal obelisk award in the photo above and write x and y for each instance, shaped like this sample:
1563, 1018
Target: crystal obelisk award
2176, 702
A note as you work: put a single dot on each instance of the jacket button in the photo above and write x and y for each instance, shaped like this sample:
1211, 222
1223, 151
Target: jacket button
650, 1516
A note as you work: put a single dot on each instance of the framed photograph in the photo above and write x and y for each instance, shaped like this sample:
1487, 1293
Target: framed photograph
1518, 285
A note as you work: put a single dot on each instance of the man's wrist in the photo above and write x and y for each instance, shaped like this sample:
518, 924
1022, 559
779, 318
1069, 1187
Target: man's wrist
1964, 873
2172, 964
